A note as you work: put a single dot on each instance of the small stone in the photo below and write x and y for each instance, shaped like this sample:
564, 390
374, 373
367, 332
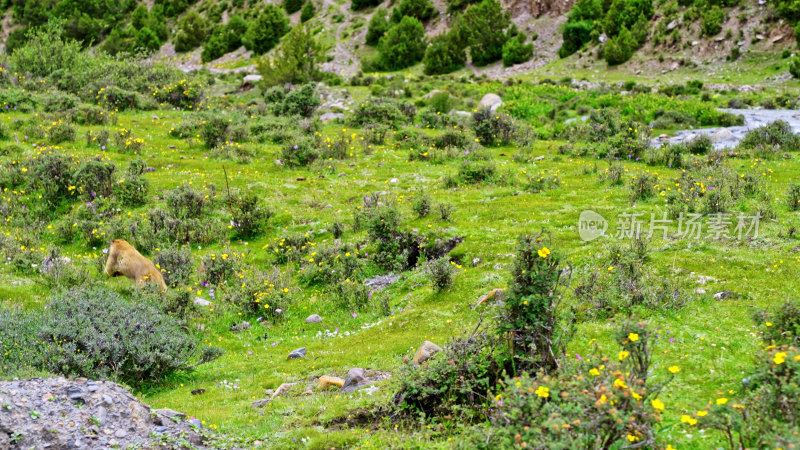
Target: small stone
298, 353
47, 396
326, 382
259, 403
283, 389
269, 392
700, 291
201, 302
120, 433
539, 158
354, 379
171, 414
314, 318
476, 262
394, 181
425, 352
491, 101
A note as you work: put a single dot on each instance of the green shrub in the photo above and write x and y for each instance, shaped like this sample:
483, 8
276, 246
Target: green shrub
531, 313
175, 264
794, 66
793, 197
378, 26
492, 128
249, 215
782, 326
60, 131
440, 271
266, 30
422, 206
266, 293
296, 60
357, 5
565, 410
700, 145
46, 50
441, 102
220, 268
300, 152
191, 32
484, 28
472, 172
445, 54
620, 48
712, 20
458, 381
131, 190
90, 115
292, 6
516, 51
215, 46
147, 40
59, 102
351, 295
379, 110
20, 346
301, 101
418, 9
777, 135
94, 332
96, 177
308, 12
403, 45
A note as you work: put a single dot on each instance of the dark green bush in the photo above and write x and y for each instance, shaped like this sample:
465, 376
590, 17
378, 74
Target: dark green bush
484, 28
357, 5
191, 32
132, 190
94, 332
301, 101
793, 197
516, 51
403, 45
378, 110
59, 102
308, 12
445, 54
60, 131
620, 48
378, 26
712, 20
419, 9
700, 145
266, 30
292, 6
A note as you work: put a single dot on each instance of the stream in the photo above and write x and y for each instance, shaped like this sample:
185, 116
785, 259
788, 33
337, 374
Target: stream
729, 137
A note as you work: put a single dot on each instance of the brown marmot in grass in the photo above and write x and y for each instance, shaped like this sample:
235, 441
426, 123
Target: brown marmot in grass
125, 260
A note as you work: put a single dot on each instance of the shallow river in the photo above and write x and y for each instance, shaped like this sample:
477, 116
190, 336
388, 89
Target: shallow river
728, 137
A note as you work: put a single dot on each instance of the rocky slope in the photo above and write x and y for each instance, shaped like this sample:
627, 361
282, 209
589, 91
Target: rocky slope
56, 413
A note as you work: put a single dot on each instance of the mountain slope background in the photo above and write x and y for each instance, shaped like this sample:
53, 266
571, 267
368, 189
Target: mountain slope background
231, 35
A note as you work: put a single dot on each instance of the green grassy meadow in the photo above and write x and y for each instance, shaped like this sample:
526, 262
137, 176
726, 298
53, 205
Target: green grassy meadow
713, 342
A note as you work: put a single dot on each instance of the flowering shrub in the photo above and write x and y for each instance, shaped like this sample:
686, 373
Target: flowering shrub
492, 128
183, 94
330, 264
218, 268
254, 291
300, 152
441, 273
175, 264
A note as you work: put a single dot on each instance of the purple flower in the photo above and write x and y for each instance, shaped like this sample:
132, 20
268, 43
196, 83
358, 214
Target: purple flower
278, 311
578, 356
355, 315
103, 147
